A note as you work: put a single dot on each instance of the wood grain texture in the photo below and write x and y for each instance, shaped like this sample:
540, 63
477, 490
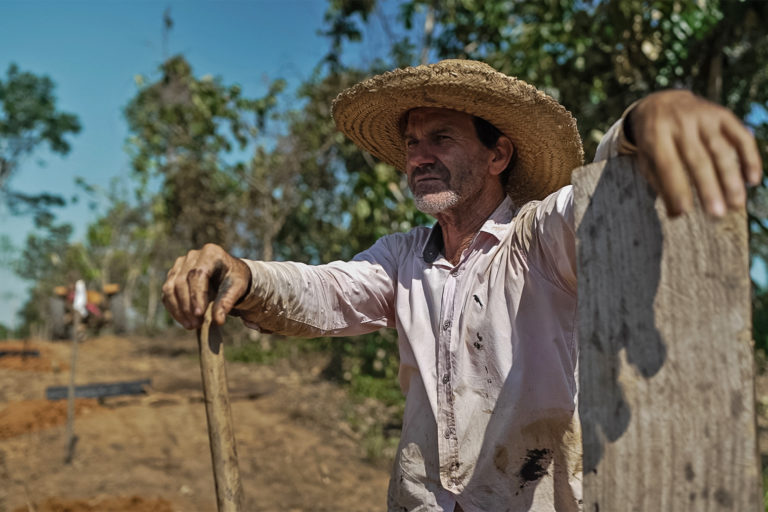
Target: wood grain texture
666, 370
226, 472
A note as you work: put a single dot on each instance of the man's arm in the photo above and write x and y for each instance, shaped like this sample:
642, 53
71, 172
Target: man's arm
685, 142
339, 298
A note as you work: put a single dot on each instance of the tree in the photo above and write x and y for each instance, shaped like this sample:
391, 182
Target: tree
49, 259
183, 128
346, 200
29, 119
598, 57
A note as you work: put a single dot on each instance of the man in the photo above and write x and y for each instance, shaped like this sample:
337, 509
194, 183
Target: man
484, 302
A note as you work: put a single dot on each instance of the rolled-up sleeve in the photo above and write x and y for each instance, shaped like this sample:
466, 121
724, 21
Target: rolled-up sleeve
615, 142
342, 298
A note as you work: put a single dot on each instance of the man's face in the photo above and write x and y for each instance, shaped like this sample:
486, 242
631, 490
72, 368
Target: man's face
446, 163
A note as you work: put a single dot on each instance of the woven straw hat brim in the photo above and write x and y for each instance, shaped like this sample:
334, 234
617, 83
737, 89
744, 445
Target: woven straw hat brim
544, 133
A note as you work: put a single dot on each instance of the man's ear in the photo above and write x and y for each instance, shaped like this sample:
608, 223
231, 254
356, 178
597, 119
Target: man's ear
502, 154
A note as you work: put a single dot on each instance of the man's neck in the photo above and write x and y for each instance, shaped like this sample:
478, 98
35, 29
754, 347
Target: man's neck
460, 225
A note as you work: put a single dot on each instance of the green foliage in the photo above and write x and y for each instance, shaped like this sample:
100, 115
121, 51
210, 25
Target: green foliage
760, 318
44, 250
49, 259
267, 349
29, 119
341, 26
181, 127
764, 465
599, 57
369, 364
305, 193
345, 200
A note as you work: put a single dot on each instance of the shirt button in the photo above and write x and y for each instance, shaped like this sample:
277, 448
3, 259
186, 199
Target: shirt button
446, 378
449, 432
446, 325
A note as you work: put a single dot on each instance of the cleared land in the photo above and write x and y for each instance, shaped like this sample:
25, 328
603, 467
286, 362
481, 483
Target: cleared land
144, 453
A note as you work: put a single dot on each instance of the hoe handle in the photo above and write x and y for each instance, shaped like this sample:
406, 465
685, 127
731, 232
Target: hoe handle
226, 473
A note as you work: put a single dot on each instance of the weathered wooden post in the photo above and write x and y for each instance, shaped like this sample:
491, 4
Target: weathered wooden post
77, 328
666, 371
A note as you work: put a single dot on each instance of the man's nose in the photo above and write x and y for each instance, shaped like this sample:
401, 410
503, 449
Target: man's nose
419, 155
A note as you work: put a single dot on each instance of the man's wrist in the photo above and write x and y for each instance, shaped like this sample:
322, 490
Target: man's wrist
249, 283
629, 133
627, 137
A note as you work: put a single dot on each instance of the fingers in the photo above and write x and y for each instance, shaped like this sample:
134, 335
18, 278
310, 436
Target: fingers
746, 146
170, 301
673, 182
198, 283
196, 278
727, 171
177, 292
231, 290
685, 143
703, 173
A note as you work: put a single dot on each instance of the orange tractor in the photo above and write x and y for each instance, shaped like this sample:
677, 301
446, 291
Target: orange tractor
105, 308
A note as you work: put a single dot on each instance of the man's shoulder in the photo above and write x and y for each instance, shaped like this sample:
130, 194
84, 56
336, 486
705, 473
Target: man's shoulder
413, 239
397, 246
559, 202
538, 217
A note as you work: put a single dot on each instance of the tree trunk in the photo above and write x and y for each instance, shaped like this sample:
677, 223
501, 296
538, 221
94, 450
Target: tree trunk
153, 301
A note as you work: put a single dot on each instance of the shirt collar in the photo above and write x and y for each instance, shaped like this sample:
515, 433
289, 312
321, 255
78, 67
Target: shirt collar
495, 225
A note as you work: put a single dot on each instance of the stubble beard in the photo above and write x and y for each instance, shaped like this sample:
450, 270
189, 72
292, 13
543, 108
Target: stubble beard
433, 203
437, 202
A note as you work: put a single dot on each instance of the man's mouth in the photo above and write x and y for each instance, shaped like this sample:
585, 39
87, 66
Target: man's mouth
428, 178
427, 184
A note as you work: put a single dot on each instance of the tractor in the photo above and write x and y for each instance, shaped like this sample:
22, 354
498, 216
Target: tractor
105, 308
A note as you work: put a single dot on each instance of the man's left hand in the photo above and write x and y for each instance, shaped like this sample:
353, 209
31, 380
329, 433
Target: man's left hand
687, 142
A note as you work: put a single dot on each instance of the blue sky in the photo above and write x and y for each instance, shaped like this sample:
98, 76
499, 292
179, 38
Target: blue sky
93, 50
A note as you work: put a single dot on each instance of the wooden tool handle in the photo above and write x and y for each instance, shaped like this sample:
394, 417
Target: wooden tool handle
226, 473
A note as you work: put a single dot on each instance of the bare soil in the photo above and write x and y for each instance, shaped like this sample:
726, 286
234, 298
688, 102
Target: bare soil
149, 453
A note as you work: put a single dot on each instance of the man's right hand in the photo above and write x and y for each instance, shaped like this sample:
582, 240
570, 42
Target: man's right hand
200, 277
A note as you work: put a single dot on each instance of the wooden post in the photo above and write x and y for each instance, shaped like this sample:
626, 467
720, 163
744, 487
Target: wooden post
70, 431
221, 435
666, 369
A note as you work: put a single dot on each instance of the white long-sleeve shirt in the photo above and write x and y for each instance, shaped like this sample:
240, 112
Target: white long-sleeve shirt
488, 351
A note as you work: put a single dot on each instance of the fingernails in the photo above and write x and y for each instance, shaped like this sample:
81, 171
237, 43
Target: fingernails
716, 208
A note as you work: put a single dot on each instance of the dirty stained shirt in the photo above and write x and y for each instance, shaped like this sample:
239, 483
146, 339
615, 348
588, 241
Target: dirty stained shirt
488, 352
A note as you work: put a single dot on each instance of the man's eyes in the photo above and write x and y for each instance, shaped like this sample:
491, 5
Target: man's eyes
437, 138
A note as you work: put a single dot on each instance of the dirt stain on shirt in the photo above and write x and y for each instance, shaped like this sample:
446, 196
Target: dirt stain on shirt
535, 465
500, 459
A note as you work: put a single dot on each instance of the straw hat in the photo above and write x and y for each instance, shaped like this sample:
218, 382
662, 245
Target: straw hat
543, 131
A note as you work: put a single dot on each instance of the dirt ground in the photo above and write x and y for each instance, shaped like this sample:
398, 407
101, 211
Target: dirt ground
149, 453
